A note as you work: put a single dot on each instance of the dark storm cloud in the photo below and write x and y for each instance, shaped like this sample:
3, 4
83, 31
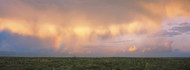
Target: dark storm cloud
181, 29
178, 29
13, 44
166, 33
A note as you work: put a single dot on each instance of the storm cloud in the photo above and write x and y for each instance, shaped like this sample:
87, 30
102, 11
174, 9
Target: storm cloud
84, 27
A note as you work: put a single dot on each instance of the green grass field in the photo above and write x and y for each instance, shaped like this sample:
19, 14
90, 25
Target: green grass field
79, 63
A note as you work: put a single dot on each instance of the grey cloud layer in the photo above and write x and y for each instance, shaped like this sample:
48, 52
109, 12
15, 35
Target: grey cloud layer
99, 11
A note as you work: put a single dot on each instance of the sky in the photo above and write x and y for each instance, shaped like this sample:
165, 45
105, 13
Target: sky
95, 28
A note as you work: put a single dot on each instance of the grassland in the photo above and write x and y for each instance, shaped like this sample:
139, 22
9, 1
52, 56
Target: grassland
79, 63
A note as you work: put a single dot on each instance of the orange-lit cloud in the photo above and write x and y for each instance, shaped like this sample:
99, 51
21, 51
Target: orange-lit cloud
146, 49
132, 49
168, 44
177, 8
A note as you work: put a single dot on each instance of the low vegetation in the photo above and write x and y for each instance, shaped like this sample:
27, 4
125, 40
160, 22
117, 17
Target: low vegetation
84, 63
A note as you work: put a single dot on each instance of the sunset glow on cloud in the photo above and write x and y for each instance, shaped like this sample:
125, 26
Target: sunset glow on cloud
96, 27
